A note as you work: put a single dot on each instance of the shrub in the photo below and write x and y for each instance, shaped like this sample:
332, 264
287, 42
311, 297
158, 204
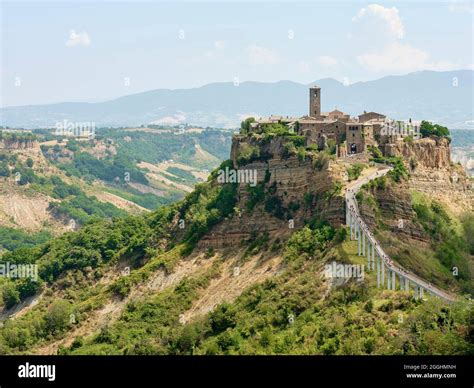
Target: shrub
256, 195
428, 129
247, 154
222, 318
309, 241
245, 126
58, 316
122, 286
4, 170
375, 151
320, 161
273, 205
10, 295
354, 171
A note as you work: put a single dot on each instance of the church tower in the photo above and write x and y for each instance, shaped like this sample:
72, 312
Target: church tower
314, 101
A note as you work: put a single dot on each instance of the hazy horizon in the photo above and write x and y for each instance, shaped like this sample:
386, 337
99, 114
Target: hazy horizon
91, 100
98, 51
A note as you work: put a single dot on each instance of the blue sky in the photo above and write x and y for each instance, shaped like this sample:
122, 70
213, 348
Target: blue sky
92, 51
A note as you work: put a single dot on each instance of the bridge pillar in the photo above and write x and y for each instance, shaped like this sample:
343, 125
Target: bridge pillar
378, 271
402, 279
351, 224
421, 292
359, 240
363, 242
382, 265
373, 256
354, 221
416, 291
407, 284
389, 280
369, 266
393, 280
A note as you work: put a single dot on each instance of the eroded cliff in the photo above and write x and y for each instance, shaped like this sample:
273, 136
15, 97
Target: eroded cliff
289, 190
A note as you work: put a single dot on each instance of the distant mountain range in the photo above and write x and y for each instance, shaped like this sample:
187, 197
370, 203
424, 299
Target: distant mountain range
442, 97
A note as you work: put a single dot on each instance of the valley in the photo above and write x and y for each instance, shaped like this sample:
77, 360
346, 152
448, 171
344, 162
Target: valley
53, 184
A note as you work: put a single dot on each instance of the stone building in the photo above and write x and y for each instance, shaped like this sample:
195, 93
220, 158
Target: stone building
350, 135
367, 116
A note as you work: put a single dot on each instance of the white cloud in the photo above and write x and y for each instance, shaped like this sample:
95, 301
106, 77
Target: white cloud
78, 39
389, 16
384, 29
258, 55
327, 60
219, 44
398, 57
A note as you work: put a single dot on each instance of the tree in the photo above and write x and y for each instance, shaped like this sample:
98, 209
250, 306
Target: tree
245, 125
428, 129
29, 162
222, 318
58, 316
4, 170
26, 176
10, 295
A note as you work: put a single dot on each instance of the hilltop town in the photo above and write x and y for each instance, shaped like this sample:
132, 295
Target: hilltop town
350, 135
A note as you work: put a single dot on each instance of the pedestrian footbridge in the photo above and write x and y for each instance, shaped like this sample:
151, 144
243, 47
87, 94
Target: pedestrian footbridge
388, 274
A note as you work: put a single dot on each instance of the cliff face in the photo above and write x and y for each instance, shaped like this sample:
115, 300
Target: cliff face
309, 185
301, 187
396, 211
428, 152
433, 173
18, 144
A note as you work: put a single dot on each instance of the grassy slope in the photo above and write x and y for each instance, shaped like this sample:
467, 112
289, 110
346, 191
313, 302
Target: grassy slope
288, 314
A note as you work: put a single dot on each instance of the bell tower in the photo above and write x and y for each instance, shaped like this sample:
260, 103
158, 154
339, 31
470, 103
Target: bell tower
314, 101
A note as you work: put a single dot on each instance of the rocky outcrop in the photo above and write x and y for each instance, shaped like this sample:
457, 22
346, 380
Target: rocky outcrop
394, 204
302, 187
433, 173
426, 153
18, 144
307, 186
